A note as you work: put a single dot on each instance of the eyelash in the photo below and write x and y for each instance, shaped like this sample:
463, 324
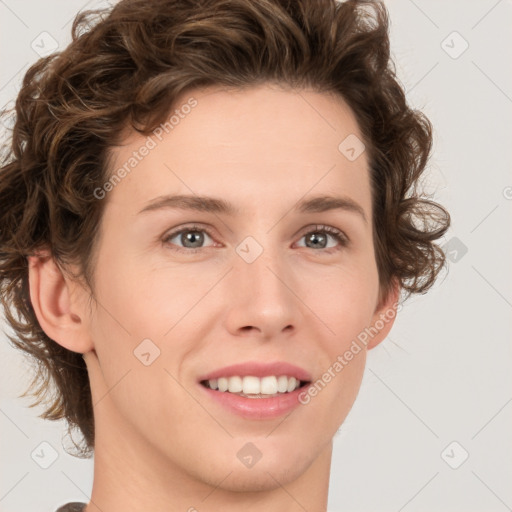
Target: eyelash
335, 233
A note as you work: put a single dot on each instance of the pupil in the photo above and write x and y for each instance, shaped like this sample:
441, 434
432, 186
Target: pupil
191, 235
314, 238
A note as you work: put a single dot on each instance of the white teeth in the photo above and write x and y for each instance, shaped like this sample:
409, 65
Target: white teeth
292, 381
223, 384
250, 385
235, 384
282, 384
269, 385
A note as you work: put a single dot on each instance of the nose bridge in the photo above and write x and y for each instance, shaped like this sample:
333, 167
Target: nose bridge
261, 263
263, 300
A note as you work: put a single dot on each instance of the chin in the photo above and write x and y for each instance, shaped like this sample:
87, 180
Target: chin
274, 469
264, 478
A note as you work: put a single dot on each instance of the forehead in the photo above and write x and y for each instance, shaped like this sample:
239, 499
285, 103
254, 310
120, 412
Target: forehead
244, 143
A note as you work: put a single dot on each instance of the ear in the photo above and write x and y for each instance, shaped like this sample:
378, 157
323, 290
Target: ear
58, 303
384, 316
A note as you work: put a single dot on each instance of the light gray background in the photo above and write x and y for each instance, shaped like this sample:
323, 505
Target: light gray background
443, 374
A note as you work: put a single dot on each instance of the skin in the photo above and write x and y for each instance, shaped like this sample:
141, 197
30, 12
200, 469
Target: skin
160, 444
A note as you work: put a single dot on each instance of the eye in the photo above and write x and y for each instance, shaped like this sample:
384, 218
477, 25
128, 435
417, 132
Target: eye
320, 241
193, 237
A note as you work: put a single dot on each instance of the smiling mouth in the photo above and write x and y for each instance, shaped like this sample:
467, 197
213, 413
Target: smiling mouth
255, 387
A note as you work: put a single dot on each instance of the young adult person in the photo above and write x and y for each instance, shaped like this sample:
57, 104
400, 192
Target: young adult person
208, 215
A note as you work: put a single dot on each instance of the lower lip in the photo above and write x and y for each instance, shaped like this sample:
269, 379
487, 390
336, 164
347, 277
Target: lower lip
257, 408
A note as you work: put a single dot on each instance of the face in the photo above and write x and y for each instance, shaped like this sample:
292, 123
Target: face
261, 284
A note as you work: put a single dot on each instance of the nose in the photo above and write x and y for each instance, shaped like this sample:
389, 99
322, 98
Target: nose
261, 295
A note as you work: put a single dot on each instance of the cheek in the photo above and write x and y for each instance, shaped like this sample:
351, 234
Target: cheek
346, 306
345, 383
343, 356
140, 301
346, 303
139, 317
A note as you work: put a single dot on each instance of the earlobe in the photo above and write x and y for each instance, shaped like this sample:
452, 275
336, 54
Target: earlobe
384, 316
51, 299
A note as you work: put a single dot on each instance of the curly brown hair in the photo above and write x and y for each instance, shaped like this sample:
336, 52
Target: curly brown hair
126, 67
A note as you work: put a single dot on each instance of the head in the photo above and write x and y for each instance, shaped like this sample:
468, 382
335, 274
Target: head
263, 106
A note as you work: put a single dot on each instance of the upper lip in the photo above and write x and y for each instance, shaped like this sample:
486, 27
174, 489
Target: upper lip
258, 369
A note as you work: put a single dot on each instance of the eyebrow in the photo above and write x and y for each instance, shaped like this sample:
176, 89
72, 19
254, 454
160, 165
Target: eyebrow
208, 204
